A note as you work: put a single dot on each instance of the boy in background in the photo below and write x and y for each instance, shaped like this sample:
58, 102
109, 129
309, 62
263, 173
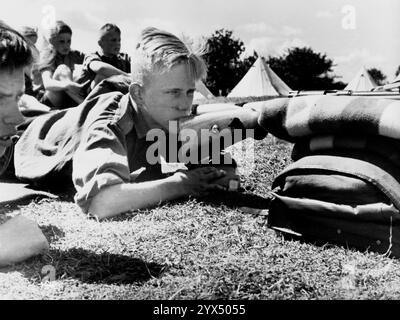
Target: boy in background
108, 61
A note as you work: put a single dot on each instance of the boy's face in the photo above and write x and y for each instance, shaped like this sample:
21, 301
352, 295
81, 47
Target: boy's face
110, 43
11, 89
62, 43
168, 95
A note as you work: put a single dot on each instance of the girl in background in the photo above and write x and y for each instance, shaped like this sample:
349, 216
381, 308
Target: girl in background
59, 70
33, 79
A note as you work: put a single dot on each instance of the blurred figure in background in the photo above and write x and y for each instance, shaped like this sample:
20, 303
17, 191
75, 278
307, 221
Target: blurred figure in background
32, 73
57, 65
108, 61
34, 89
30, 34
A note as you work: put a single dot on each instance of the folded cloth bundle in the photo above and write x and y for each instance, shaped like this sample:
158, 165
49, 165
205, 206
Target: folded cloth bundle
293, 118
344, 185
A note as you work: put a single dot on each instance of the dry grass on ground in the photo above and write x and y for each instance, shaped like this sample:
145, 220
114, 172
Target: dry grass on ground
196, 249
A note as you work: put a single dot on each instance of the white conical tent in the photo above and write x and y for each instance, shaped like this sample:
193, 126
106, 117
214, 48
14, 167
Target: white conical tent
361, 82
202, 91
259, 81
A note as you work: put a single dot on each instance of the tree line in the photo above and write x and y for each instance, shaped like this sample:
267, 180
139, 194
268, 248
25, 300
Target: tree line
301, 68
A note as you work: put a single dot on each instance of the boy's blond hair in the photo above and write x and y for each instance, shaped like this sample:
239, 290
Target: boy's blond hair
159, 50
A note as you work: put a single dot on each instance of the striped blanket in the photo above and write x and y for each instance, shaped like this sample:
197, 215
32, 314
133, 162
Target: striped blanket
294, 118
363, 128
344, 183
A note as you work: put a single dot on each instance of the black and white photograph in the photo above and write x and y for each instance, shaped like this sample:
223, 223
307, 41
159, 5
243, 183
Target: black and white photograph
213, 153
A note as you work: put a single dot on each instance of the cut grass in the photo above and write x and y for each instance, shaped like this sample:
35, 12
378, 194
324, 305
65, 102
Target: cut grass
194, 249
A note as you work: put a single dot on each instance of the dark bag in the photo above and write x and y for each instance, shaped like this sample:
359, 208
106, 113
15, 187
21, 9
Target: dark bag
347, 199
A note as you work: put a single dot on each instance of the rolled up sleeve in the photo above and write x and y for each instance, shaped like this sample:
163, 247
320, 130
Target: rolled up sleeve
100, 161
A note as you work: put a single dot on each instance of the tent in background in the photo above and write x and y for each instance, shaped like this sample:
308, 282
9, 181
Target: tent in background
202, 91
361, 82
259, 81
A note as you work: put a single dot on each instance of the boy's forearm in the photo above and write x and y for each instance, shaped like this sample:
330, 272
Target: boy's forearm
121, 198
105, 69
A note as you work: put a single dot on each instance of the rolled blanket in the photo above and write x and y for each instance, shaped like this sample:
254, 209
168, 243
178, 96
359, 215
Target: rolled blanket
388, 148
344, 185
331, 187
368, 167
349, 199
293, 118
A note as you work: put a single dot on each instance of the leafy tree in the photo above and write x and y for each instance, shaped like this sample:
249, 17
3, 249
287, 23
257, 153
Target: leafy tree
304, 69
225, 66
397, 71
378, 76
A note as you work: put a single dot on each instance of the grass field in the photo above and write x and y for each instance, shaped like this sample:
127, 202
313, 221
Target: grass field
193, 249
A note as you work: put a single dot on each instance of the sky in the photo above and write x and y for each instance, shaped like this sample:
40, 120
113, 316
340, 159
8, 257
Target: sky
353, 33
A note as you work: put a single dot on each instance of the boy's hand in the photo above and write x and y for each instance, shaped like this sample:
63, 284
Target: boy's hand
231, 181
199, 181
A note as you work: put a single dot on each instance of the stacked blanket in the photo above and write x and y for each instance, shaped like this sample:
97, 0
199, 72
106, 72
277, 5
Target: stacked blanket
293, 118
346, 170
